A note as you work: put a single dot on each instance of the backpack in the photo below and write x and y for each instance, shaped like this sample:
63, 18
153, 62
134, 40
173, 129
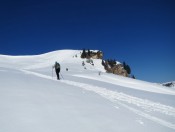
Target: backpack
57, 66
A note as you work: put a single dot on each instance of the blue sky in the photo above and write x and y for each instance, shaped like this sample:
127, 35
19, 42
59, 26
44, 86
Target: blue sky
139, 32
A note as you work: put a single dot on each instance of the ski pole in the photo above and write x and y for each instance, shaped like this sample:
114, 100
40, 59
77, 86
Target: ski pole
61, 75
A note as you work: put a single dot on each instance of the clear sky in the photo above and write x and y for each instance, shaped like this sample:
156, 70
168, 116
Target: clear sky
139, 32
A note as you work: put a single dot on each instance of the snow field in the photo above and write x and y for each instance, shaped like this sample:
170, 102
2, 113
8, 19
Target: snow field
31, 99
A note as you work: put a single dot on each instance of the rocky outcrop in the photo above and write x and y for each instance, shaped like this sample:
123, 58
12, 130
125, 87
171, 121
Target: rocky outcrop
169, 84
92, 54
119, 70
109, 65
100, 55
115, 69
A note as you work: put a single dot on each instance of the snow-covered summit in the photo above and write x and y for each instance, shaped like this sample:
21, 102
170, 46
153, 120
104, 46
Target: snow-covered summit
65, 57
85, 99
37, 61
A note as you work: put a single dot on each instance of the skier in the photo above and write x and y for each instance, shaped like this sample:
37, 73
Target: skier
57, 69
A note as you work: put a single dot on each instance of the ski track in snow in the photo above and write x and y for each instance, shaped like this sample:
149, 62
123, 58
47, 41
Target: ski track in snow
124, 99
125, 82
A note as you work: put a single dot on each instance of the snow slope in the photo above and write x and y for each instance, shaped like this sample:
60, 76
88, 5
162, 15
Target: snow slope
31, 99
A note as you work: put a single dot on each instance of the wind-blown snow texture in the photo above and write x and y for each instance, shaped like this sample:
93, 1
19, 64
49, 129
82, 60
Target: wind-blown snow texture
32, 100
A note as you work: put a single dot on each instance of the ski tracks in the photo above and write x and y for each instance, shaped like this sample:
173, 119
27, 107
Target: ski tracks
143, 106
124, 99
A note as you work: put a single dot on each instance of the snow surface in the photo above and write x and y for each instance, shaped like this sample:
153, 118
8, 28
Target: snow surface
31, 99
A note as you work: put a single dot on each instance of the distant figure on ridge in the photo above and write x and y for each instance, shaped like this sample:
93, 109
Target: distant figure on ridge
57, 69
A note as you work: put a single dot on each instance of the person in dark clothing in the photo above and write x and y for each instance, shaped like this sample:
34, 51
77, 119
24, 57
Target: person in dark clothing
57, 69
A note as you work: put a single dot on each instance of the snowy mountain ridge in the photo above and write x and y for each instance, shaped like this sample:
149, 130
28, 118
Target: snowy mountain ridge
33, 100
